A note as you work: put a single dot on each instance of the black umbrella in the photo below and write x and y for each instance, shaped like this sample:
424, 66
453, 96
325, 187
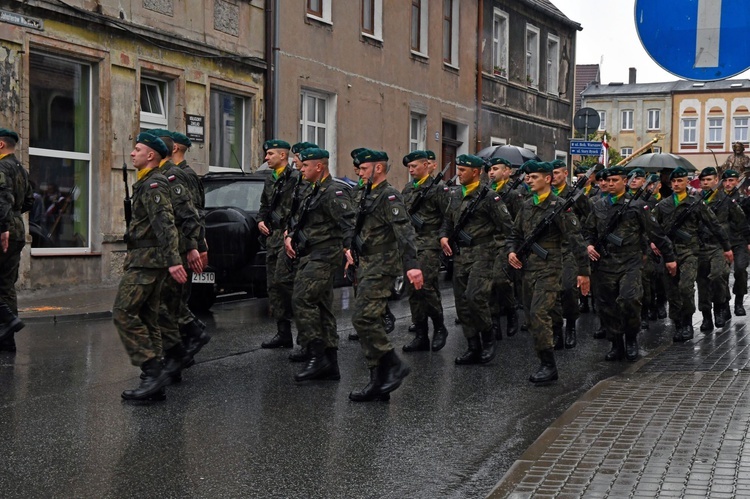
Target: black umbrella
515, 154
655, 162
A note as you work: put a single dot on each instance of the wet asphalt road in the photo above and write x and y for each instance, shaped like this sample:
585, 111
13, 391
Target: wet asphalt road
239, 426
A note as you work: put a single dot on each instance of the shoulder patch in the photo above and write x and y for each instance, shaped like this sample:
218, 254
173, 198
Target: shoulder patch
339, 193
392, 197
178, 189
154, 185
497, 198
171, 178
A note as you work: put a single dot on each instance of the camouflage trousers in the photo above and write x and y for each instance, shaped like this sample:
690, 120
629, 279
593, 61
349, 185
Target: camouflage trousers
312, 301
136, 312
170, 307
681, 287
9, 263
472, 288
648, 282
367, 316
741, 260
540, 291
185, 315
279, 283
713, 278
503, 298
567, 303
426, 302
619, 299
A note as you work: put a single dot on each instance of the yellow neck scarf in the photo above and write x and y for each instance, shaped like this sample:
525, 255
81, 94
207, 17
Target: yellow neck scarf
468, 189
143, 173
539, 198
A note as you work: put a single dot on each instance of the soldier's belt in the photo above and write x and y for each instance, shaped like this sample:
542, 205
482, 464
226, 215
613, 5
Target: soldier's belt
318, 247
550, 244
143, 243
476, 241
379, 248
428, 228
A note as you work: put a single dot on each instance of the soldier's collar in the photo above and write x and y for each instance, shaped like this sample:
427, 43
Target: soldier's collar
142, 173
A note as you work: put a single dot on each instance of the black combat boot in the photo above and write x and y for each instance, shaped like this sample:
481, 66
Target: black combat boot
333, 359
371, 391
631, 346
708, 323
583, 305
421, 342
679, 331
194, 337
727, 311
617, 351
283, 337
8, 344
353, 336
473, 355
570, 334
512, 322
687, 328
651, 312
719, 317
393, 371
439, 334
152, 383
739, 309
661, 310
412, 328
9, 323
524, 326
497, 329
489, 346
600, 333
176, 359
547, 368
300, 355
318, 367
557, 336
644, 318
389, 320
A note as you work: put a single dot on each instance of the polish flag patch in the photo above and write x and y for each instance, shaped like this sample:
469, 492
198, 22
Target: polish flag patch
155, 185
391, 198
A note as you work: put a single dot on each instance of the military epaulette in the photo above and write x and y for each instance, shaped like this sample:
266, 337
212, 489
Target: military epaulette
171, 178
391, 198
154, 185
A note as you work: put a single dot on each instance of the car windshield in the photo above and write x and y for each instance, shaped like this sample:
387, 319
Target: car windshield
238, 194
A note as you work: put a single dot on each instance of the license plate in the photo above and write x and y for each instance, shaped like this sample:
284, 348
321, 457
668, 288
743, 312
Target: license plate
205, 278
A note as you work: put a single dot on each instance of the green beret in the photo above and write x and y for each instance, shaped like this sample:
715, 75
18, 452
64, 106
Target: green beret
580, 170
537, 167
498, 161
313, 153
154, 142
430, 155
615, 170
707, 172
181, 139
637, 172
652, 178
470, 160
160, 132
4, 132
413, 156
301, 146
558, 163
600, 175
370, 156
276, 144
730, 174
678, 172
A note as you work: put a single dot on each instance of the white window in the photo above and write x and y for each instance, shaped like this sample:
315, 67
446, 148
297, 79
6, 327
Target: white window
626, 123
228, 129
654, 119
689, 128
562, 156
419, 26
317, 117
372, 19
626, 151
553, 65
154, 104
530, 147
656, 149
715, 130
60, 154
602, 120
319, 10
450, 32
740, 129
532, 56
417, 132
497, 141
500, 43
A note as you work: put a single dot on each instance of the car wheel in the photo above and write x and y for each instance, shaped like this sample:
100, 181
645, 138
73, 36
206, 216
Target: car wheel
399, 287
202, 297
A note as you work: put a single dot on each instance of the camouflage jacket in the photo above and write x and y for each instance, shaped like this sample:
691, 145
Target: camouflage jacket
198, 196
431, 211
276, 203
685, 238
17, 178
512, 199
185, 215
581, 208
152, 238
6, 204
730, 215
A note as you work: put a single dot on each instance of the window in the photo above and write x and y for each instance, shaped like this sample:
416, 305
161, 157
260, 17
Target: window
497, 141
450, 32
530, 147
715, 130
602, 120
740, 129
562, 156
60, 153
500, 43
656, 149
316, 121
627, 120
553, 65
154, 104
532, 56
689, 127
654, 119
319, 10
227, 139
372, 18
626, 151
417, 132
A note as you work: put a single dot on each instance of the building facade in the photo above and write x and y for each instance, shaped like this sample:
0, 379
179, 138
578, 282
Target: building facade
79, 79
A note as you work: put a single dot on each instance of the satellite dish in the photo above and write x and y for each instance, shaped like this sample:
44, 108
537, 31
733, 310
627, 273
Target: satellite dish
586, 121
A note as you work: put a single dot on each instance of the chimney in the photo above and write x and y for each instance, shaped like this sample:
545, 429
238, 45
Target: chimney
631, 78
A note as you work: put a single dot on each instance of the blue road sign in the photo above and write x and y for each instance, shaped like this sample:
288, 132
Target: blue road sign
702, 40
585, 148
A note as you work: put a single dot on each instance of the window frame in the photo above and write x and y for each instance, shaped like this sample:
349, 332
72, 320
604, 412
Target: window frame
376, 7
623, 153
154, 120
745, 127
602, 120
423, 28
532, 56
420, 142
322, 15
623, 114
452, 59
684, 129
531, 147
497, 141
650, 122
553, 65
329, 126
500, 47
713, 128
246, 139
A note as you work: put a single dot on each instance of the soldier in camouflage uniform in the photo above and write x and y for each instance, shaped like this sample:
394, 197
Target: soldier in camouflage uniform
385, 248
681, 288
471, 229
730, 180
541, 278
152, 257
17, 178
430, 202
619, 266
317, 240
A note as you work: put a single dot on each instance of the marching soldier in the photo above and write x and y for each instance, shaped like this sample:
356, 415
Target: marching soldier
731, 179
470, 232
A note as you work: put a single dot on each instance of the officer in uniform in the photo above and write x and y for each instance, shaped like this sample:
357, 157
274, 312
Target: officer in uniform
601, 190
681, 287
655, 298
386, 248
322, 229
730, 180
478, 218
614, 233
542, 278
273, 215
152, 257
426, 205
17, 178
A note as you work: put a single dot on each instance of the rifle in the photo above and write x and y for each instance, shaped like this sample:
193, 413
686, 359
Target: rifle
675, 229
530, 244
273, 217
506, 195
416, 220
298, 238
357, 242
728, 195
459, 235
127, 203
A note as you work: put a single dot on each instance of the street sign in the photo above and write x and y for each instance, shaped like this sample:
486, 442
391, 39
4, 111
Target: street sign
701, 40
585, 148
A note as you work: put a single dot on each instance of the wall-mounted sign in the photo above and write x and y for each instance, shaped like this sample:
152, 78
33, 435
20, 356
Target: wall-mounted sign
21, 20
196, 132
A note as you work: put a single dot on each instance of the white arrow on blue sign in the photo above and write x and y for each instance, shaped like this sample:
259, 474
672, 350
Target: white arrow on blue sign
703, 40
585, 148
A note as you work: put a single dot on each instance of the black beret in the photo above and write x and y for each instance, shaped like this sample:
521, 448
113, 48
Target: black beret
181, 139
580, 170
430, 155
470, 160
370, 156
678, 172
301, 146
276, 144
600, 174
707, 172
730, 174
4, 132
413, 156
154, 142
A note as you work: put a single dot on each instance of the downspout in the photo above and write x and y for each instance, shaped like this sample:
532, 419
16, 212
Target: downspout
271, 53
276, 24
480, 39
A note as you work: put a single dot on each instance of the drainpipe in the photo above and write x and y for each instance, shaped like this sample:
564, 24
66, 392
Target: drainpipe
480, 38
271, 52
276, 30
